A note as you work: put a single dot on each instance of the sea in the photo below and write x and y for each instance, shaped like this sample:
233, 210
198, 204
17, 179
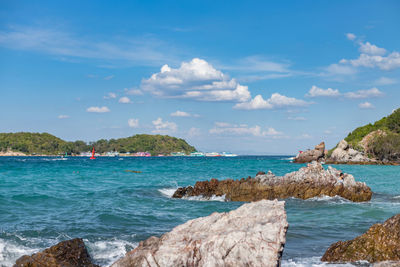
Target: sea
45, 200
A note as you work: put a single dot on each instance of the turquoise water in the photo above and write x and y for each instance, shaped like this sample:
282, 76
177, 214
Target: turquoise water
47, 200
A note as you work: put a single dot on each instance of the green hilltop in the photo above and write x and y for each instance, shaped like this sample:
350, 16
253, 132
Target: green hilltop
384, 146
47, 144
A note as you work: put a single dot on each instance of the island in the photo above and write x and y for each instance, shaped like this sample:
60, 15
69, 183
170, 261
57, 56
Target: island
45, 144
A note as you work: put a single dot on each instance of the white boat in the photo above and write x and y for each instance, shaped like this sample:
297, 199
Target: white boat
226, 154
197, 154
213, 154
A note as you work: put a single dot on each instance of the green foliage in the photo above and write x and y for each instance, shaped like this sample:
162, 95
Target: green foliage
387, 124
32, 143
44, 143
393, 121
386, 147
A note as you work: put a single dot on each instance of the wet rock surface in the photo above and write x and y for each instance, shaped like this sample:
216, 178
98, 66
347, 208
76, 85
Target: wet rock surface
310, 181
252, 235
380, 243
67, 253
316, 154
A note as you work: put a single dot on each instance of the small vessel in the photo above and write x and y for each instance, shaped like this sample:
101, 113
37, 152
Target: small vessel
227, 154
213, 154
178, 154
197, 154
93, 157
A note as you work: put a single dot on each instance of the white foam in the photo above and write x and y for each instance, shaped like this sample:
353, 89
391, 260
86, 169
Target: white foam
168, 192
107, 252
336, 199
203, 198
10, 252
396, 197
290, 158
312, 261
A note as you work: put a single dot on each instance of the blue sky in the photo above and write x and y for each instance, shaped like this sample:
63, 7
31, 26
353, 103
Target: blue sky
251, 77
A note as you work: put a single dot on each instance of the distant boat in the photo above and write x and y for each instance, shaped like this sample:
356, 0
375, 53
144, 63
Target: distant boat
178, 154
197, 154
92, 157
213, 154
226, 154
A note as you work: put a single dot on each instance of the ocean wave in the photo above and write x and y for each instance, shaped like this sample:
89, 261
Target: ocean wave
106, 252
168, 192
290, 158
396, 197
11, 251
312, 261
324, 198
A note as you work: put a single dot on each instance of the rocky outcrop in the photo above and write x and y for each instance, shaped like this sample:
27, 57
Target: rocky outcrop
380, 243
10, 153
316, 154
344, 153
70, 253
310, 181
252, 235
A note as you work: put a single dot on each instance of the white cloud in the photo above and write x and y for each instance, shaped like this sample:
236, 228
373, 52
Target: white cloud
339, 69
316, 92
385, 81
139, 50
63, 116
275, 101
133, 91
110, 96
133, 123
164, 126
124, 100
350, 36
98, 109
196, 80
391, 61
242, 129
373, 92
366, 105
259, 64
370, 49
179, 113
297, 118
107, 78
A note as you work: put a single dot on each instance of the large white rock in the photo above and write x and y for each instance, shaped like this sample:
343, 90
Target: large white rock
343, 153
252, 235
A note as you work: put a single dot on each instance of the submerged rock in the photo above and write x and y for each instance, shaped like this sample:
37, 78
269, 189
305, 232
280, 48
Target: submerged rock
69, 253
316, 154
310, 181
252, 235
380, 243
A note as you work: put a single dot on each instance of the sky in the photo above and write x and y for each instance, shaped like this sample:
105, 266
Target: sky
248, 77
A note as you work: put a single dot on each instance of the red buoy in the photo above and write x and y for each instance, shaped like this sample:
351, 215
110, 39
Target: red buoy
92, 157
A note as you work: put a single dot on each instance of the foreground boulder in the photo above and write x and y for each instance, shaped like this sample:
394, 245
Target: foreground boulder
310, 181
69, 253
316, 154
252, 235
380, 243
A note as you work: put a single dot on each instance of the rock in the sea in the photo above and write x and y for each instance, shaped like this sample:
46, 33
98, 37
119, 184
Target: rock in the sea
252, 235
69, 253
310, 181
316, 154
380, 243
344, 154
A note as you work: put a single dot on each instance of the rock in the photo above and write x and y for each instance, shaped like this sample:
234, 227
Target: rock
67, 253
369, 138
380, 243
307, 182
317, 154
344, 154
252, 235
